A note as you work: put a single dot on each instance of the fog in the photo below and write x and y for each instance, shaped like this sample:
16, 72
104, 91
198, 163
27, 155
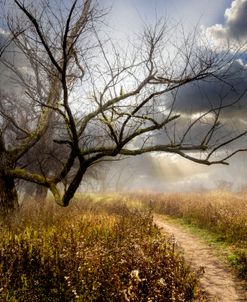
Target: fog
166, 173
220, 20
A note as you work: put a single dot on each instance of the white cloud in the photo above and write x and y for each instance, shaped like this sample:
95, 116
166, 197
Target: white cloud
3, 32
235, 25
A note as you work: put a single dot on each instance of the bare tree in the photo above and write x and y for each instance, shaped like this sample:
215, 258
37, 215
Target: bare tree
111, 102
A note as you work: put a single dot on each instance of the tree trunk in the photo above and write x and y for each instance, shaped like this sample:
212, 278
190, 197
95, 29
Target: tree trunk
8, 192
8, 195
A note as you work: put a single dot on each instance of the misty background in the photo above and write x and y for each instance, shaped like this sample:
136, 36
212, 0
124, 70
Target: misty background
221, 22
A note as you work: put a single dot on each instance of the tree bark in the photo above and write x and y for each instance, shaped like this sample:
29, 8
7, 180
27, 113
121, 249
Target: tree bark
8, 194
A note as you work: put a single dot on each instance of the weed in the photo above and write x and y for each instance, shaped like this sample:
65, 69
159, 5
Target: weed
97, 250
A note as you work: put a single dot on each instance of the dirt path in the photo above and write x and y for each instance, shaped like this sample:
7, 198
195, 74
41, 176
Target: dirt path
217, 281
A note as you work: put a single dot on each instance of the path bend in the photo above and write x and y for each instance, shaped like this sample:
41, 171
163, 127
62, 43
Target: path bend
218, 281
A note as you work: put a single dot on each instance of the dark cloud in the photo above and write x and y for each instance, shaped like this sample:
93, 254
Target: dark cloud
228, 89
193, 100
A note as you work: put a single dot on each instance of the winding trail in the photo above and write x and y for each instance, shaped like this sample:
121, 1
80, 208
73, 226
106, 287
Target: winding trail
218, 281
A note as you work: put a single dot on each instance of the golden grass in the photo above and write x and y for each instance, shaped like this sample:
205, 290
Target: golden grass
222, 213
97, 250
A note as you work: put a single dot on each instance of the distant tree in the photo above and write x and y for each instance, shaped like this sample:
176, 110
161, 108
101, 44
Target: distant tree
109, 102
48, 162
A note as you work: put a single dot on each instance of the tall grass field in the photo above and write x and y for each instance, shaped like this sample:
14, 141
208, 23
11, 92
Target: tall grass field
103, 248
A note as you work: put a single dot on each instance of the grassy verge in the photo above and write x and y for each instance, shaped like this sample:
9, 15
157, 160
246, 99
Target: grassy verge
218, 217
97, 250
222, 249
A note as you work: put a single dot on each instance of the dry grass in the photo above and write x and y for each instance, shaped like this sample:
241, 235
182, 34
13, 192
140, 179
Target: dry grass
222, 213
97, 250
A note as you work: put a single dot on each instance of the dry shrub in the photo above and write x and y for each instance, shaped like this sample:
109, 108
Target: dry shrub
94, 251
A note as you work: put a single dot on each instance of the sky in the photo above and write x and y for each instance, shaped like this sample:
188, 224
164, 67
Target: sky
189, 12
219, 21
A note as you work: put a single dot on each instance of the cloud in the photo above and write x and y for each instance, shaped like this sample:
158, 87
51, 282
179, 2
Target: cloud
4, 36
212, 93
193, 100
235, 25
11, 55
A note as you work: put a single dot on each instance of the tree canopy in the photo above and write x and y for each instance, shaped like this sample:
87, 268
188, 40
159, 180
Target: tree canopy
99, 99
